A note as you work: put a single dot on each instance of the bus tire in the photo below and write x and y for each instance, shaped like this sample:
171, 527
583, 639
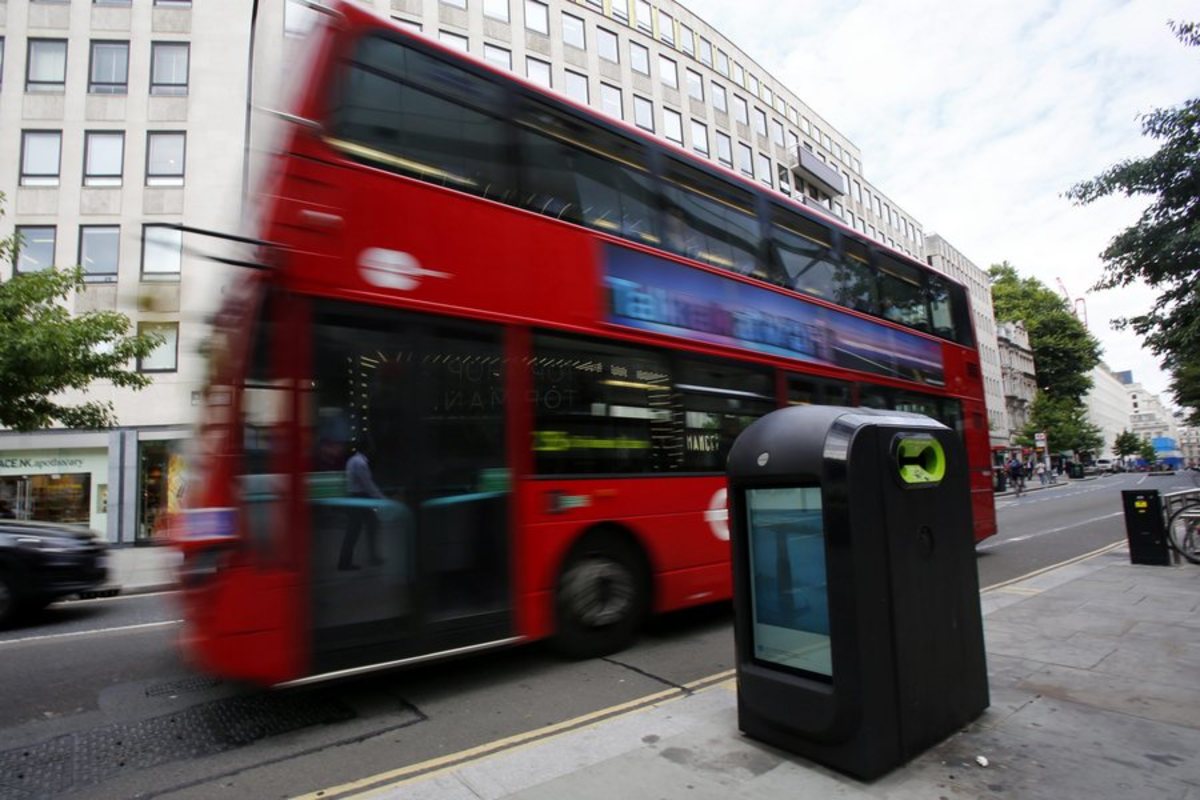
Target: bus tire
601, 596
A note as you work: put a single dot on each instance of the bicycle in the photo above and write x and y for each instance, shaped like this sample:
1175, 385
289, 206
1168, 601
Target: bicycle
1183, 532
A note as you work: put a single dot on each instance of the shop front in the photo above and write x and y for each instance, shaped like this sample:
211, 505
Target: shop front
67, 486
161, 482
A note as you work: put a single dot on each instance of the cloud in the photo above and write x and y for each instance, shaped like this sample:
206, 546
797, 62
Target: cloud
975, 118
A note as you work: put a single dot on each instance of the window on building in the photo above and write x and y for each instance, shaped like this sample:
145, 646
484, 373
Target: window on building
745, 159
785, 179
41, 156
573, 32
724, 149
610, 101
165, 151
455, 40
455, 3
165, 357
497, 56
496, 9
639, 58
722, 63
666, 27
760, 122
668, 72
576, 86
764, 169
537, 17
103, 158
695, 84
608, 45
162, 252
741, 110
46, 69
1, 60
754, 87
720, 98
538, 71
777, 132
109, 71
700, 137
706, 52
673, 125
169, 68
34, 248
643, 113
739, 75
687, 40
793, 141
620, 9
645, 16
99, 247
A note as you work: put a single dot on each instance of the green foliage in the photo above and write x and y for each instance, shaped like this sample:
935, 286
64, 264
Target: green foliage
44, 351
1127, 444
1163, 247
1066, 425
1147, 452
1064, 352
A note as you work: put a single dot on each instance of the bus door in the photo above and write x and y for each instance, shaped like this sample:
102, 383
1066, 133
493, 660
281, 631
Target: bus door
409, 488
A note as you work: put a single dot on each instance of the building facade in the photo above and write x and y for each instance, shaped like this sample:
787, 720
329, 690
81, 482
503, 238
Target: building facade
943, 257
121, 117
1017, 374
1108, 408
1154, 422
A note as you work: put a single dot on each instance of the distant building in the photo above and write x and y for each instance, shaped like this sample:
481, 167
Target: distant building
1152, 421
1108, 407
943, 257
1189, 442
1017, 373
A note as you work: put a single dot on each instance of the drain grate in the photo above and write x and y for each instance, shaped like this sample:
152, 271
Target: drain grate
83, 759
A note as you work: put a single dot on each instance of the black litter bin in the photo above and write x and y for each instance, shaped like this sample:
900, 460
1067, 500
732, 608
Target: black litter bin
1076, 471
1001, 479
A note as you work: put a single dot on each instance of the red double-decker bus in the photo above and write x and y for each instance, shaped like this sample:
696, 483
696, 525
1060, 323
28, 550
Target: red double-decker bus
483, 389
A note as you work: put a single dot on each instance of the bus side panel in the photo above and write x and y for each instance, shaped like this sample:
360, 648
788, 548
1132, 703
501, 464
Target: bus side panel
680, 524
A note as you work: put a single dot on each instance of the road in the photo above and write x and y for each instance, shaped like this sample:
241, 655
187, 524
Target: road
96, 702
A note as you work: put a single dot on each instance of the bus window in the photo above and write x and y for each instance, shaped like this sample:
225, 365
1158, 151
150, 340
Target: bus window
405, 111
902, 298
585, 175
940, 309
709, 220
602, 408
804, 251
879, 397
804, 391
719, 401
856, 284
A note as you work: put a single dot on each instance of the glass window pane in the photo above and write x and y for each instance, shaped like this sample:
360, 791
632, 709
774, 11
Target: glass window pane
719, 400
35, 248
99, 248
164, 357
573, 32
497, 9
709, 220
607, 44
165, 158
169, 68
639, 58
695, 84
162, 251
643, 113
668, 72
673, 125
610, 101
454, 40
902, 298
47, 64
110, 68
41, 158
537, 17
724, 149
497, 56
576, 86
104, 159
538, 71
700, 137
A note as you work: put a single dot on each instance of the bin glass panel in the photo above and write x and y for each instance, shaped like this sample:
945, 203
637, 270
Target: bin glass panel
788, 582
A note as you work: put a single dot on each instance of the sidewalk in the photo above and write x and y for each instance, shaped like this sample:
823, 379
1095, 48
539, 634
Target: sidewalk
1034, 485
1092, 668
138, 570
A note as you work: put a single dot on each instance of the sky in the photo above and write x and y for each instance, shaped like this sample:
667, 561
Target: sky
975, 116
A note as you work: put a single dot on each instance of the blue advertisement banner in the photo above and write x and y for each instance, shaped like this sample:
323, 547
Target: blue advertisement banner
655, 294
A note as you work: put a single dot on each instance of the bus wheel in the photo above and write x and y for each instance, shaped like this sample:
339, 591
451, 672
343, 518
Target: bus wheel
601, 597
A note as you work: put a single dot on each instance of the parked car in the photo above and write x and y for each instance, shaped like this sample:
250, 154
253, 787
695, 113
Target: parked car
42, 562
1104, 465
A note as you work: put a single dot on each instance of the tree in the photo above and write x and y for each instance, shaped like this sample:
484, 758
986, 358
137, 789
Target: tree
1064, 352
44, 350
1126, 444
1163, 247
1147, 452
1065, 423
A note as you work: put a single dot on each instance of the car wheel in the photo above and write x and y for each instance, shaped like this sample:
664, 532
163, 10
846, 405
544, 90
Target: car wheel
601, 597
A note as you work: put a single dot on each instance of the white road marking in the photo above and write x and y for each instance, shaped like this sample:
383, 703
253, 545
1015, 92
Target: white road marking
93, 632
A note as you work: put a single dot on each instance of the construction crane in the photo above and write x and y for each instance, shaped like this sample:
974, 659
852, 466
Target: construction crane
1078, 306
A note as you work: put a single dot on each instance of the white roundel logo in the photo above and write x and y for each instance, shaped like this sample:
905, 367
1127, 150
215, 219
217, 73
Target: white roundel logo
717, 515
393, 269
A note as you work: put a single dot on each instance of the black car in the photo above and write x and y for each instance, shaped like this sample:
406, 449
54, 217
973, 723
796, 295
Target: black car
42, 562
